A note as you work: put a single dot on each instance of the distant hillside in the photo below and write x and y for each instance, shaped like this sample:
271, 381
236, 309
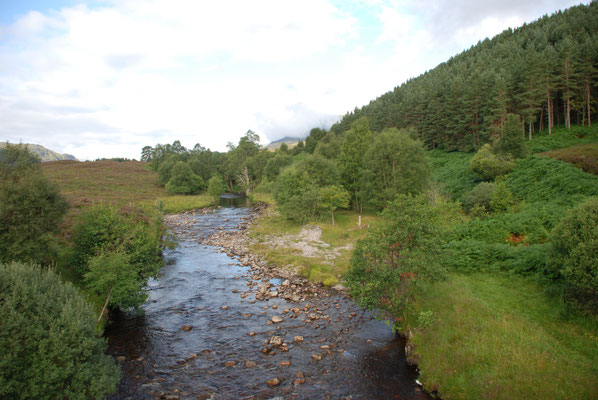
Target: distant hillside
544, 71
289, 141
45, 154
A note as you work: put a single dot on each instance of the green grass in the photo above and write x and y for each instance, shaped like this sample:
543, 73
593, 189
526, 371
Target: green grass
501, 337
317, 269
178, 203
259, 197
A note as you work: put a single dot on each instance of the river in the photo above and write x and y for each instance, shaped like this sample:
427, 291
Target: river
204, 335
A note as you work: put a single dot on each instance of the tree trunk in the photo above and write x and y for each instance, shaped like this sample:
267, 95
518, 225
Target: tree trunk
541, 127
105, 305
530, 131
332, 213
589, 102
548, 105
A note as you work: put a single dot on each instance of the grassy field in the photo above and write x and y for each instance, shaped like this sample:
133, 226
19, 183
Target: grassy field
495, 336
128, 183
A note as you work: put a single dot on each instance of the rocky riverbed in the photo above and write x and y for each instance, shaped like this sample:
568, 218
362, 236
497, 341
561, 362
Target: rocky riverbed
222, 323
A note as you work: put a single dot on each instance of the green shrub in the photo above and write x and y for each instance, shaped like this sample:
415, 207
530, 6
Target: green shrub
511, 142
105, 230
470, 255
216, 188
183, 180
397, 257
393, 164
502, 197
574, 254
480, 197
488, 166
165, 169
31, 208
48, 344
297, 196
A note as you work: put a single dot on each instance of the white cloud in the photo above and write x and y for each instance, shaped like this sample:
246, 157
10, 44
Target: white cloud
106, 79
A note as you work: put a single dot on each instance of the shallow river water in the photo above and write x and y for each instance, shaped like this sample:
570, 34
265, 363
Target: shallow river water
345, 352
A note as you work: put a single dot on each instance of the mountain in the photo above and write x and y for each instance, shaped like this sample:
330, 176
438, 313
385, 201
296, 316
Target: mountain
45, 154
289, 141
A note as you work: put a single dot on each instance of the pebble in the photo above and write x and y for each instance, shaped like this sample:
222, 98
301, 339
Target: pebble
298, 339
316, 357
273, 382
285, 364
276, 319
224, 308
187, 328
230, 364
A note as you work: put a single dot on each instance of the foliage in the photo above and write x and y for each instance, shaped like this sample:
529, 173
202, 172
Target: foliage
502, 197
297, 195
49, 344
397, 257
463, 102
15, 159
333, 197
350, 160
394, 164
574, 254
480, 197
321, 171
183, 180
511, 143
562, 137
450, 173
111, 275
216, 188
276, 164
541, 179
488, 165
31, 208
105, 233
165, 170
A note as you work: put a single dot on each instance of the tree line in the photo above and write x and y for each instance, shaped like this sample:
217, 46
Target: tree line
544, 72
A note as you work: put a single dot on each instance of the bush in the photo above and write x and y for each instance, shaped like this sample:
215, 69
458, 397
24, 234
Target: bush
297, 195
216, 188
106, 230
488, 165
480, 197
511, 143
574, 254
394, 163
397, 257
48, 344
183, 180
502, 197
31, 208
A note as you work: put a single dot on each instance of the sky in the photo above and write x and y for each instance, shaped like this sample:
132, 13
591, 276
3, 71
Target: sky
103, 78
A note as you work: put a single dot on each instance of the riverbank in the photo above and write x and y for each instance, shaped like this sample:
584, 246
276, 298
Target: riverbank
221, 323
474, 336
